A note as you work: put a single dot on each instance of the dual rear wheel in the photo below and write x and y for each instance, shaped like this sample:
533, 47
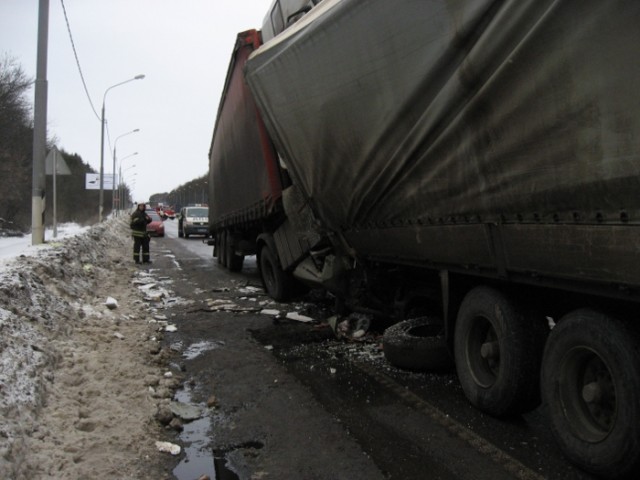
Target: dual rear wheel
226, 252
587, 372
591, 385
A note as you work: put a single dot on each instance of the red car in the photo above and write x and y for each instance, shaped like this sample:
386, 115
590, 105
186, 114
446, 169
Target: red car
169, 213
156, 227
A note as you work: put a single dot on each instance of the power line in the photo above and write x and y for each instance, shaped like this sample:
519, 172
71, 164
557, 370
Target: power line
75, 53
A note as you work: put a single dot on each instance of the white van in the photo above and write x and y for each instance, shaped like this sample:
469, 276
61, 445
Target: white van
193, 220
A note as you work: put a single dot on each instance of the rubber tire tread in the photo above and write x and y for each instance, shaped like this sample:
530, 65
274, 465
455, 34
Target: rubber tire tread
282, 286
217, 250
234, 262
403, 348
618, 343
521, 334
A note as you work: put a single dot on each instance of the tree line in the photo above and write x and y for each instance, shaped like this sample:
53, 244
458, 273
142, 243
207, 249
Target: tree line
74, 202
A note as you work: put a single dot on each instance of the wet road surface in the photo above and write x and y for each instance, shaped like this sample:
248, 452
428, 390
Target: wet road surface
292, 401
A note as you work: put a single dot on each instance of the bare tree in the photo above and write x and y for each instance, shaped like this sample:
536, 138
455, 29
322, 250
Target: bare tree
16, 136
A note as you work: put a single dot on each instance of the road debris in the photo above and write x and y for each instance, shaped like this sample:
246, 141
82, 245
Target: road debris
185, 412
111, 303
298, 318
167, 447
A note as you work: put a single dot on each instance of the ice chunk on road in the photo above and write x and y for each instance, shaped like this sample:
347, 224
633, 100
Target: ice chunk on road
168, 447
299, 318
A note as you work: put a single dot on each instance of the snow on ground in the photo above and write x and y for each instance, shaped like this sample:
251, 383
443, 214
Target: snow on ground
22, 297
75, 376
12, 247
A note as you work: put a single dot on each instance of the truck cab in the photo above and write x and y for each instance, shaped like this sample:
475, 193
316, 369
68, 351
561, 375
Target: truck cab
284, 13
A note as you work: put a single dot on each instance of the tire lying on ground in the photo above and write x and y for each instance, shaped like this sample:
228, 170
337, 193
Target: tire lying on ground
417, 344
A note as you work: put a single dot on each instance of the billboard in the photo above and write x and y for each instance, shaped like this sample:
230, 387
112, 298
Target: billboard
92, 181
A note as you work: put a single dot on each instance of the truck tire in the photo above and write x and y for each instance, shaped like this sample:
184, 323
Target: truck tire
222, 251
217, 250
591, 385
498, 351
280, 285
417, 344
234, 262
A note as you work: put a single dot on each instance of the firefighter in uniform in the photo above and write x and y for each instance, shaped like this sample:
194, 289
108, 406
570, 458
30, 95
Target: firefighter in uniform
139, 221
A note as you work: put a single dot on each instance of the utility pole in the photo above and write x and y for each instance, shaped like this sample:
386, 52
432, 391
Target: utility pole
40, 129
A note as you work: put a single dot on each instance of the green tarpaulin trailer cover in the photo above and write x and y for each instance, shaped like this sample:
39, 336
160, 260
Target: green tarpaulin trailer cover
503, 135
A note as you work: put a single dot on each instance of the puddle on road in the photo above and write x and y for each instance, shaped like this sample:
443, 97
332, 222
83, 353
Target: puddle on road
199, 457
199, 348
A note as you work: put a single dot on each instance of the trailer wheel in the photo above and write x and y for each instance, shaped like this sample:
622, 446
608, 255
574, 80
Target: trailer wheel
591, 384
417, 344
498, 350
279, 284
222, 252
234, 262
217, 249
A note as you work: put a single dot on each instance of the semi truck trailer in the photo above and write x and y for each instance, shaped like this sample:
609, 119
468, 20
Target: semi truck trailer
474, 161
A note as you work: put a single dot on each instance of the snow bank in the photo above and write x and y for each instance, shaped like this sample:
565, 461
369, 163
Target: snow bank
43, 297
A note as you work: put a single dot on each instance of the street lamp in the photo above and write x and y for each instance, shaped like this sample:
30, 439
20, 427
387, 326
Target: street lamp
129, 187
119, 179
104, 98
113, 183
121, 190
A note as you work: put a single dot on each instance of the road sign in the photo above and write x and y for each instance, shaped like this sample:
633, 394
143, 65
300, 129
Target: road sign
92, 181
55, 158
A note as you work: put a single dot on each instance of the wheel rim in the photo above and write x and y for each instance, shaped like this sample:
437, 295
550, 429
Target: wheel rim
588, 394
483, 352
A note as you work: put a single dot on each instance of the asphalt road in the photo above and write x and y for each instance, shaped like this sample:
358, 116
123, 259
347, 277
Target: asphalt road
294, 402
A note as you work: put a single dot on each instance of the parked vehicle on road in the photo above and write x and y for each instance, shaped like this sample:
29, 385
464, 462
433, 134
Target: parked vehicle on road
478, 162
193, 220
169, 213
156, 227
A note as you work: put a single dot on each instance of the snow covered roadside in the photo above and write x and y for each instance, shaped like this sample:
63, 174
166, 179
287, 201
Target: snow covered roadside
80, 383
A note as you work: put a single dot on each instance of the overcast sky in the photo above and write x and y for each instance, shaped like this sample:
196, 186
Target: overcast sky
183, 47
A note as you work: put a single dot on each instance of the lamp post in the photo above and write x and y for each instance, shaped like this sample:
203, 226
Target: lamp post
129, 188
113, 183
104, 98
120, 182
